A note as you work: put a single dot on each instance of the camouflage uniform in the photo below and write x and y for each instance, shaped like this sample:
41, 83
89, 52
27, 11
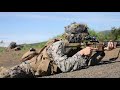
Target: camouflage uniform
19, 71
66, 64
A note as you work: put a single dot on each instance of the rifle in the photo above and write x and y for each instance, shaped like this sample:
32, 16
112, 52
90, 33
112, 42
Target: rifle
72, 48
94, 43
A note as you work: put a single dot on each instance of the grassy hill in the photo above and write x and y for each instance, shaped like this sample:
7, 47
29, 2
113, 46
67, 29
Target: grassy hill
34, 45
105, 31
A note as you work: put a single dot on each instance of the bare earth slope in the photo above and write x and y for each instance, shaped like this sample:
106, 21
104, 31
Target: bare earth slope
10, 58
105, 69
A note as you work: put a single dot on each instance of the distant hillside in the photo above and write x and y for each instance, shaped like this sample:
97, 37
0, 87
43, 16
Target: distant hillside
105, 31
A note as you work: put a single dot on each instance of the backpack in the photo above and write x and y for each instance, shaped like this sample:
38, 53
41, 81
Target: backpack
40, 62
28, 55
46, 65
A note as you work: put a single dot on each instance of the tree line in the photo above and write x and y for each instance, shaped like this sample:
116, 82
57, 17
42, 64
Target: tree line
113, 34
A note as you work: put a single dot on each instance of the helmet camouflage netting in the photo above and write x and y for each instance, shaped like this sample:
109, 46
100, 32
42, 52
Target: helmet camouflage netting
75, 28
75, 32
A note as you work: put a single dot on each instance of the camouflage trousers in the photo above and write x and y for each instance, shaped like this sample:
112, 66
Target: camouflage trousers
77, 62
19, 71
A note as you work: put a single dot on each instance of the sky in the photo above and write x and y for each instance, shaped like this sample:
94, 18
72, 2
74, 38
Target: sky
33, 27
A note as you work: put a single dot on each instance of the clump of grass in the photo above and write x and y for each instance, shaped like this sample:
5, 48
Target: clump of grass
2, 49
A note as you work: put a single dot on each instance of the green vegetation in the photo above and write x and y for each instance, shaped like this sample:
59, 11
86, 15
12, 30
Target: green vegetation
2, 49
113, 34
36, 46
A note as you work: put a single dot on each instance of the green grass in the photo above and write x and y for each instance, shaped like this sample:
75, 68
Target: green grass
36, 46
2, 49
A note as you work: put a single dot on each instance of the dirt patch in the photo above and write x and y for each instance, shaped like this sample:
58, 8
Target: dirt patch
10, 58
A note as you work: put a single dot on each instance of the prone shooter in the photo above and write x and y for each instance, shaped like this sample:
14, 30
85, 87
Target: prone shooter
89, 42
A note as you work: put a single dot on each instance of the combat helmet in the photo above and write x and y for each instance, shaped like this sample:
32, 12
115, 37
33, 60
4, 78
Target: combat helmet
75, 32
75, 28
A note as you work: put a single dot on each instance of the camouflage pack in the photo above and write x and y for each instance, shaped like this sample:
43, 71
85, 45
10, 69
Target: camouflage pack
39, 61
29, 55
